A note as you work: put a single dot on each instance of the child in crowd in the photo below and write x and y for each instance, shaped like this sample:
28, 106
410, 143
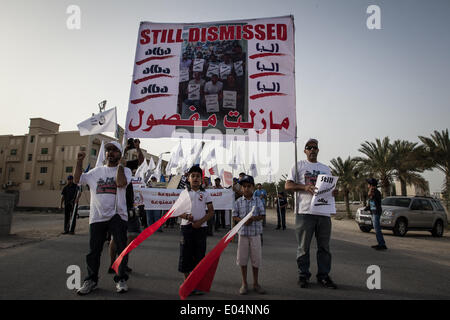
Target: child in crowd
194, 224
249, 244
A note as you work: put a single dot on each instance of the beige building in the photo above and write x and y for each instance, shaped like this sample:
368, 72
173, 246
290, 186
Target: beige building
37, 164
412, 189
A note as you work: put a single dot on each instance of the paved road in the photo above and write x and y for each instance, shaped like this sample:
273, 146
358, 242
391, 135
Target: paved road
34, 262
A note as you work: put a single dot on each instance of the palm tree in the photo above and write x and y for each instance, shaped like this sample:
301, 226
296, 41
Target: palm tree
379, 162
438, 149
408, 163
346, 171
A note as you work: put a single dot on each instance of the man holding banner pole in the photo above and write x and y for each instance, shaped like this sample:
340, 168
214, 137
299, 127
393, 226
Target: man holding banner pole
302, 179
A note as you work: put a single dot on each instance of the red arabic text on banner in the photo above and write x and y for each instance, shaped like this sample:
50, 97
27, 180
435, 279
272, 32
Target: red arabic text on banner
202, 276
182, 205
263, 53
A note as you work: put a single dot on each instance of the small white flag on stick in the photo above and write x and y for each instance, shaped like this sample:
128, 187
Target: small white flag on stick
98, 123
101, 155
253, 169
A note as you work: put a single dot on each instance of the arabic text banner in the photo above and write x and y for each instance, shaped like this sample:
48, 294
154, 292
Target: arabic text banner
163, 199
236, 77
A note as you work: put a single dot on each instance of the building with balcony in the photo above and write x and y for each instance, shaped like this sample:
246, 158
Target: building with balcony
36, 164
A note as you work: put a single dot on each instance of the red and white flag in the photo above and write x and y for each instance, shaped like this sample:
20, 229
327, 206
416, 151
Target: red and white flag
202, 276
227, 179
213, 171
182, 205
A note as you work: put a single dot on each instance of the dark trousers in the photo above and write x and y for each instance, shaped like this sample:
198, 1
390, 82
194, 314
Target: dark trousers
97, 235
192, 247
307, 226
211, 222
68, 208
281, 218
220, 219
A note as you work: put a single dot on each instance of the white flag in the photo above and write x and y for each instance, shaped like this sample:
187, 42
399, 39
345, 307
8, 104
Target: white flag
142, 170
175, 157
194, 156
157, 172
98, 123
101, 155
236, 160
151, 164
253, 170
270, 174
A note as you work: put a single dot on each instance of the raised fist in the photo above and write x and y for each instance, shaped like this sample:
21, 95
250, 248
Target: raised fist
81, 155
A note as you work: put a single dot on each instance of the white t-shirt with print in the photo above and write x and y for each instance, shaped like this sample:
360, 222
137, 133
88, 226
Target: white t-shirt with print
307, 174
105, 194
199, 199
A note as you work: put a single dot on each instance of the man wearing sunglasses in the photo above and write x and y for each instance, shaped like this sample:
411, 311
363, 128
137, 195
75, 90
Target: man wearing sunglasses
302, 181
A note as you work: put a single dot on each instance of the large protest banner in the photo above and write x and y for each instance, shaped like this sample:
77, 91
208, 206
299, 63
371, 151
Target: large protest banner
232, 76
163, 199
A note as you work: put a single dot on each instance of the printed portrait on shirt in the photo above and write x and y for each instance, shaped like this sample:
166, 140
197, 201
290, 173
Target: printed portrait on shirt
311, 177
107, 186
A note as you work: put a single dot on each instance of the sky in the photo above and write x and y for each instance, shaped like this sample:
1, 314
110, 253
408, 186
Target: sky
352, 84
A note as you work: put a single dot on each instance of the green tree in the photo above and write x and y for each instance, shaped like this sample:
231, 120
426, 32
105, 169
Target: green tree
438, 150
408, 162
346, 171
379, 162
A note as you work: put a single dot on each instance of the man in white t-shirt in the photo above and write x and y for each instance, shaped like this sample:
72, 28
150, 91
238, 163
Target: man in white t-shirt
108, 212
302, 179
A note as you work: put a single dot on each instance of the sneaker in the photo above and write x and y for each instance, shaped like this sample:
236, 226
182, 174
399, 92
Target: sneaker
243, 290
327, 283
383, 247
87, 287
303, 282
121, 286
375, 246
259, 290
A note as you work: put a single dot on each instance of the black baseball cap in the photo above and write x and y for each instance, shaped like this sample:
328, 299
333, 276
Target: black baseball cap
372, 181
248, 179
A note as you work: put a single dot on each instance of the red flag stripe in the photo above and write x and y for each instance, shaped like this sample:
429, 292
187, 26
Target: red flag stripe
140, 238
202, 276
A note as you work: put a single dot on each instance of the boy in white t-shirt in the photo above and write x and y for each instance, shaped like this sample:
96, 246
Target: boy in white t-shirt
302, 180
194, 226
108, 213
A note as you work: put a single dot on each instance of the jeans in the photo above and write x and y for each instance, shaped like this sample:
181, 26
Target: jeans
377, 227
97, 235
306, 226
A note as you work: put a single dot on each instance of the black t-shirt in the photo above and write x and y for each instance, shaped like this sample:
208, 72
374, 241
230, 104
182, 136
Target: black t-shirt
129, 193
282, 201
133, 164
69, 192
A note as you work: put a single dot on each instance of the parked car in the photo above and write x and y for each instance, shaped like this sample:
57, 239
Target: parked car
83, 211
401, 214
